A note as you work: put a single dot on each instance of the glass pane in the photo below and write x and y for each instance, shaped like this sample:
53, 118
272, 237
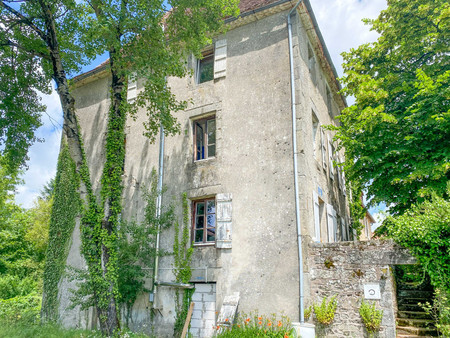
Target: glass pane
199, 222
198, 236
206, 71
211, 207
212, 150
211, 220
200, 208
211, 128
199, 142
211, 235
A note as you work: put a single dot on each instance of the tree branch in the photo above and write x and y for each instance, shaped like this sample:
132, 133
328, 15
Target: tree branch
8, 42
23, 18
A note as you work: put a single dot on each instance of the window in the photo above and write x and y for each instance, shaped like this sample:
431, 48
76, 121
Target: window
204, 226
329, 101
205, 66
324, 149
331, 157
315, 128
205, 138
318, 212
312, 64
132, 88
332, 224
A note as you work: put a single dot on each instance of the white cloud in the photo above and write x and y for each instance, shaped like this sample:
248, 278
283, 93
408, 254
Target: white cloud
341, 25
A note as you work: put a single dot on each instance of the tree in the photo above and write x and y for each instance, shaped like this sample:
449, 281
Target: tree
397, 134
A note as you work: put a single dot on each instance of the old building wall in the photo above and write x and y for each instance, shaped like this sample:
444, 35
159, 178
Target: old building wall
252, 168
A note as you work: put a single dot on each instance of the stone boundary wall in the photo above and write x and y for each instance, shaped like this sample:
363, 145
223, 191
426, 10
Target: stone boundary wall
342, 269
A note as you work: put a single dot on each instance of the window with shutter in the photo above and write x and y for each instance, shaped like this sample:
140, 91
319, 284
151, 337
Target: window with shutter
330, 157
323, 148
332, 224
316, 217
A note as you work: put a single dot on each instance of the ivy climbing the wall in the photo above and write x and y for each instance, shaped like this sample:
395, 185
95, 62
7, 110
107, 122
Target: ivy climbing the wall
182, 251
66, 208
137, 249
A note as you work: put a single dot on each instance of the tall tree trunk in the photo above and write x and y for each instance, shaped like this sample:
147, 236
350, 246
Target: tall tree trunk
112, 191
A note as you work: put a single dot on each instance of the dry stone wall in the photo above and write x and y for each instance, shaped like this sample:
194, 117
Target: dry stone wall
345, 269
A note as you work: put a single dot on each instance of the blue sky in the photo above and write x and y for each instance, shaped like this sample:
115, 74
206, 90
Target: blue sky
341, 27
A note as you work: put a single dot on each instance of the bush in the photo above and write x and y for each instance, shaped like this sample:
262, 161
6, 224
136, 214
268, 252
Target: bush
254, 325
371, 317
12, 286
439, 310
25, 309
325, 311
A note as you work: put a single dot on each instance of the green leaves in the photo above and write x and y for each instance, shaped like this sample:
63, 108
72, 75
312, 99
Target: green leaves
397, 134
425, 230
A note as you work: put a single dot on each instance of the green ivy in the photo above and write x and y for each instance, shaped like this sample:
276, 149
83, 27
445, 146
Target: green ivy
66, 207
182, 251
136, 248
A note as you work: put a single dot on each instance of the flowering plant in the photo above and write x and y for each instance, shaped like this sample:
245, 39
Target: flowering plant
255, 325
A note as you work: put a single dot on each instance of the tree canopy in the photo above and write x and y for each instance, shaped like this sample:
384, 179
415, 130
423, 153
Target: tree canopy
397, 134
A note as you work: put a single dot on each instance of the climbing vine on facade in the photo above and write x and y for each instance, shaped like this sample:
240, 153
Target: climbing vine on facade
66, 207
182, 251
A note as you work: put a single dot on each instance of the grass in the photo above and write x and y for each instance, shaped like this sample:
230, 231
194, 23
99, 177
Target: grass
23, 330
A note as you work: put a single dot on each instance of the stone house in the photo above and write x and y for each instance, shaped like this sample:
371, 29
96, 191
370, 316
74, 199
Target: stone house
235, 161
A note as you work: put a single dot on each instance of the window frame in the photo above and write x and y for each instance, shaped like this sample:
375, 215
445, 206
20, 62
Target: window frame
206, 143
205, 227
208, 54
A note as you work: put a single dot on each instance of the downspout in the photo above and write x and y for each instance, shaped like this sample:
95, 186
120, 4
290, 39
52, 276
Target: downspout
295, 152
152, 296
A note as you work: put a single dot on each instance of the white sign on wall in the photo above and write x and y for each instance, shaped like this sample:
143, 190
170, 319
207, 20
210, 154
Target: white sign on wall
372, 291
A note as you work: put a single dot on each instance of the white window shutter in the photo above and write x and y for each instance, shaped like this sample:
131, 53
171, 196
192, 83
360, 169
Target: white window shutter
132, 88
220, 59
330, 157
316, 217
332, 223
224, 221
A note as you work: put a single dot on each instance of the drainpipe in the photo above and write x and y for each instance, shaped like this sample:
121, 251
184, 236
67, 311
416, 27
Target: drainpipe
295, 152
152, 296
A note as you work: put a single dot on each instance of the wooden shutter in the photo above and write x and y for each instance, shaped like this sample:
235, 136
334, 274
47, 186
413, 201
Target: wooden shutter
220, 59
224, 221
316, 217
132, 88
332, 223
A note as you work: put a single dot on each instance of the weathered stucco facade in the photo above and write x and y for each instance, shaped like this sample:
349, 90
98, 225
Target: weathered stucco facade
250, 177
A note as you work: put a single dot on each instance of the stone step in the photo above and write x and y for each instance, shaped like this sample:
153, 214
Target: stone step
412, 300
413, 314
428, 323
428, 295
407, 335
418, 331
410, 307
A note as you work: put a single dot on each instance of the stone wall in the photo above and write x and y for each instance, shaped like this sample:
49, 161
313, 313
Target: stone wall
343, 269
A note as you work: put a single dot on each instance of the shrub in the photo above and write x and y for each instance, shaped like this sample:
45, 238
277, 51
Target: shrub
25, 309
371, 317
254, 325
326, 310
439, 310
